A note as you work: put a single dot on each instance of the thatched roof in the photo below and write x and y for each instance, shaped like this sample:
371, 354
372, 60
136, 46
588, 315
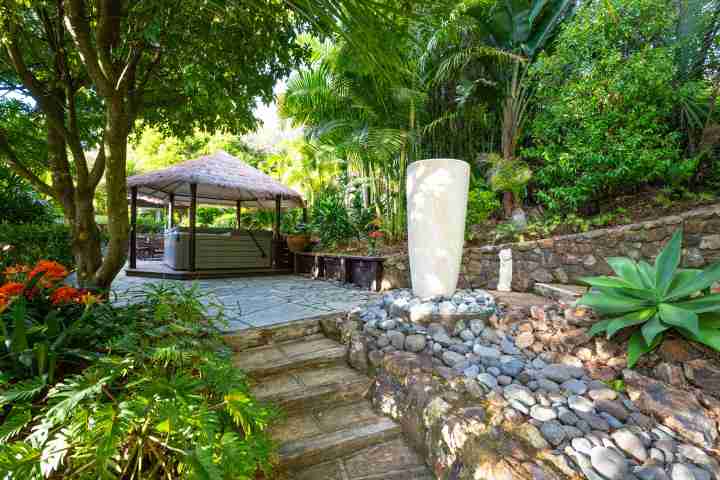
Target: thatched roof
221, 180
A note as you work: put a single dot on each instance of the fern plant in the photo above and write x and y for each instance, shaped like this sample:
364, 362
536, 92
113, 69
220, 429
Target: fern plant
163, 401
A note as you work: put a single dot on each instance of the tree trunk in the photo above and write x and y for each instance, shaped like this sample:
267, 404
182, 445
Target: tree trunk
508, 201
116, 133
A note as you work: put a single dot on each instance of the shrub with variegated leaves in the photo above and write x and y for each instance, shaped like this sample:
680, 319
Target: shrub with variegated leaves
654, 300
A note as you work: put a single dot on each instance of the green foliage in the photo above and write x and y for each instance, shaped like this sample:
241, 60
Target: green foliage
32, 242
162, 400
482, 203
331, 219
20, 204
292, 224
508, 175
655, 299
606, 100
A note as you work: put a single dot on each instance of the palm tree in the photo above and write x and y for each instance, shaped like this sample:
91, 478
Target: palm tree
369, 120
491, 50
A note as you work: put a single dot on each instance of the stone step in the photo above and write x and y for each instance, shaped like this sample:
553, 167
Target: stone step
319, 436
563, 293
307, 389
312, 351
256, 337
392, 460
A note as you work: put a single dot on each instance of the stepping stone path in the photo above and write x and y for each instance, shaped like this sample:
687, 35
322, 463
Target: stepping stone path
330, 431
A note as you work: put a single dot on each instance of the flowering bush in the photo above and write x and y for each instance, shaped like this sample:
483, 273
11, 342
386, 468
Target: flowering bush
40, 318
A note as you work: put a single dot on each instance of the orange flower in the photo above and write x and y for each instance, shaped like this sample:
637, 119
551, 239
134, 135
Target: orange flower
11, 289
52, 272
88, 298
16, 270
65, 295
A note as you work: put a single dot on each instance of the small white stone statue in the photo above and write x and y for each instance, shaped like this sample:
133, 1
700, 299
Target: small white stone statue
505, 278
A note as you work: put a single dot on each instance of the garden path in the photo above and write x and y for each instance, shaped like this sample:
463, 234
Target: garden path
261, 301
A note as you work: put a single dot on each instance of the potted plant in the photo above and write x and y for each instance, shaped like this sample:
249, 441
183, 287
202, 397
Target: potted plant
298, 237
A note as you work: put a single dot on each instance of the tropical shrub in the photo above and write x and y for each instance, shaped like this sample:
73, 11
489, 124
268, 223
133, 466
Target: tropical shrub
656, 299
331, 218
29, 243
160, 399
482, 203
606, 101
42, 321
20, 204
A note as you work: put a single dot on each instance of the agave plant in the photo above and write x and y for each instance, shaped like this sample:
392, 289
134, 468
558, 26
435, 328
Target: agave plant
656, 299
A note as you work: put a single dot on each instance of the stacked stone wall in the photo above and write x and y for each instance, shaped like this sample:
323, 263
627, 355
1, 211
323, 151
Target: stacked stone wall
567, 258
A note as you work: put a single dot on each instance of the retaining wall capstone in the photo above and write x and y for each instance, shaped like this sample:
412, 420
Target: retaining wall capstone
566, 258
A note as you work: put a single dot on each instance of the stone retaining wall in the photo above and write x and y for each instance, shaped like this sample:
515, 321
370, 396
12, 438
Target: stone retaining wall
564, 259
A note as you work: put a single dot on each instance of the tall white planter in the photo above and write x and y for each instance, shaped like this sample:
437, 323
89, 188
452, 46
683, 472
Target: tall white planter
437, 193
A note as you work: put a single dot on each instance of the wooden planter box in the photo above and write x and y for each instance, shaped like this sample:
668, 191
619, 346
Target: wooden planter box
366, 272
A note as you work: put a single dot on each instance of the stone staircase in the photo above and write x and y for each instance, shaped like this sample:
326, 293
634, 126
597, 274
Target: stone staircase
330, 431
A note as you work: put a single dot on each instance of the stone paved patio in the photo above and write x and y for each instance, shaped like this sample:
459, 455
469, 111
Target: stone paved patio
262, 301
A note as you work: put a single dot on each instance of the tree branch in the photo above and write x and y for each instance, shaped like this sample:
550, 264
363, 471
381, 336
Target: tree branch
79, 28
98, 168
19, 168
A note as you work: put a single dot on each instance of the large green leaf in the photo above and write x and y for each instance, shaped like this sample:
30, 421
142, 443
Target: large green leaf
709, 333
607, 303
652, 329
551, 17
637, 348
709, 276
606, 282
682, 278
647, 273
629, 320
706, 303
598, 327
679, 317
667, 262
627, 269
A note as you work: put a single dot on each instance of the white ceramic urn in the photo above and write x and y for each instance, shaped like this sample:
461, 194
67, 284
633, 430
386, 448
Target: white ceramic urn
437, 194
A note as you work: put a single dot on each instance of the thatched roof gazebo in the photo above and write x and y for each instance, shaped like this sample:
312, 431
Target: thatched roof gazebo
218, 179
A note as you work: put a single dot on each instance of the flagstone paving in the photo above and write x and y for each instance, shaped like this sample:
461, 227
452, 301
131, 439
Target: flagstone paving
261, 301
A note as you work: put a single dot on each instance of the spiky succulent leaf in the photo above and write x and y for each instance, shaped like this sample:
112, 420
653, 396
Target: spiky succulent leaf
610, 303
647, 273
607, 282
627, 269
629, 320
699, 283
637, 347
679, 317
704, 304
599, 327
667, 262
652, 328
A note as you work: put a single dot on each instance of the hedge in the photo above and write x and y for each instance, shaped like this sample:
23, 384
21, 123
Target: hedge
32, 242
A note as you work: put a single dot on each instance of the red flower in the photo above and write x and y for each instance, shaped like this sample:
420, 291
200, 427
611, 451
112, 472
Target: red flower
65, 295
52, 272
376, 234
11, 289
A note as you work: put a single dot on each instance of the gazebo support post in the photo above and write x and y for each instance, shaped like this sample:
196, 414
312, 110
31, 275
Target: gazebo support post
171, 211
238, 213
133, 227
278, 212
275, 260
193, 224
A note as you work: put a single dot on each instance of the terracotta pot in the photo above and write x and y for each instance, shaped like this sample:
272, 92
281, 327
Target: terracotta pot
298, 243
